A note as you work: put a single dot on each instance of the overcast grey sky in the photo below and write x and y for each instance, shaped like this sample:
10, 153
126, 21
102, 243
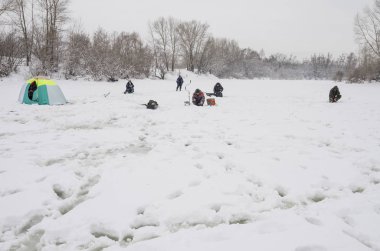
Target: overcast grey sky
298, 27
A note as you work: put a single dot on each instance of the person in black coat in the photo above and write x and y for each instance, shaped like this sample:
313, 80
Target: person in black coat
218, 89
32, 89
129, 88
179, 83
198, 98
334, 94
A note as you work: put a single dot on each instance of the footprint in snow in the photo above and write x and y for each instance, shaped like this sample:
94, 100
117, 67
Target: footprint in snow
375, 181
317, 197
229, 143
220, 156
142, 221
61, 192
81, 196
30, 222
229, 167
357, 189
282, 192
311, 248
99, 231
199, 166
195, 183
175, 194
9, 192
313, 221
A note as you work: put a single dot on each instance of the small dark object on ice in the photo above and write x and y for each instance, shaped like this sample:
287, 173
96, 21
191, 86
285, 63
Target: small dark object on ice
112, 79
211, 102
153, 105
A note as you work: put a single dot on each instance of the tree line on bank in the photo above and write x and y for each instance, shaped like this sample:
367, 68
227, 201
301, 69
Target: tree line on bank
34, 35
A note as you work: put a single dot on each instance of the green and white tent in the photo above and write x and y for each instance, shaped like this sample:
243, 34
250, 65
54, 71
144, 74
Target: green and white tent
42, 91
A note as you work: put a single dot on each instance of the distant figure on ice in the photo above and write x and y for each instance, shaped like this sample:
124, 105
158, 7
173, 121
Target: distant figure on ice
218, 89
334, 95
129, 88
198, 98
179, 83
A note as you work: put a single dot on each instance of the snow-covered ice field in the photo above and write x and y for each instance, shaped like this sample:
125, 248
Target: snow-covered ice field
273, 166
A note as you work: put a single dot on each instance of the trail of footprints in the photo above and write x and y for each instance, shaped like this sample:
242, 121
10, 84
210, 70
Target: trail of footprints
145, 226
28, 235
80, 196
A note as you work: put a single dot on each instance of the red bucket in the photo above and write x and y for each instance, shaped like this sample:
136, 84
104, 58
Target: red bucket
211, 102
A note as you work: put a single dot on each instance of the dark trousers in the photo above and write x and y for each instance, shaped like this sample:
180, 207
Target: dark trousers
129, 90
335, 99
179, 86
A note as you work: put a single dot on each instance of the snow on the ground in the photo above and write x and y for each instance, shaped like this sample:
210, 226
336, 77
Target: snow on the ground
273, 166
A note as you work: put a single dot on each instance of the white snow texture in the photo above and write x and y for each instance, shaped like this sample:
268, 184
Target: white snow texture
273, 166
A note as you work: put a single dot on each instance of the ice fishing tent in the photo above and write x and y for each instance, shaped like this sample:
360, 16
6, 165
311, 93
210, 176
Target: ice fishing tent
42, 91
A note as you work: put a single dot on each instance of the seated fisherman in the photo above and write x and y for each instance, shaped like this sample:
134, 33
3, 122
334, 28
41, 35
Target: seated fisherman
130, 88
218, 89
198, 98
334, 95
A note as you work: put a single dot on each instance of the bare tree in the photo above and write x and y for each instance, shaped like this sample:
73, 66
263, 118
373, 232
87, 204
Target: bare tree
134, 56
160, 33
77, 54
53, 16
350, 64
5, 5
207, 56
320, 65
99, 53
10, 53
174, 40
367, 28
154, 48
117, 56
24, 20
165, 39
161, 64
192, 36
224, 57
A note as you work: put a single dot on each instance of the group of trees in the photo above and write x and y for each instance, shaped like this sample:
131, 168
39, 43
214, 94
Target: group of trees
367, 30
106, 56
36, 37
188, 44
34, 29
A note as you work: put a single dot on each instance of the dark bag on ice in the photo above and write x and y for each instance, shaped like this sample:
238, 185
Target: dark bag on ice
152, 105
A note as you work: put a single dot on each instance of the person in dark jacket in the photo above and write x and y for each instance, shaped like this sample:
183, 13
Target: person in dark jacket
130, 87
32, 89
334, 94
198, 98
179, 83
218, 89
